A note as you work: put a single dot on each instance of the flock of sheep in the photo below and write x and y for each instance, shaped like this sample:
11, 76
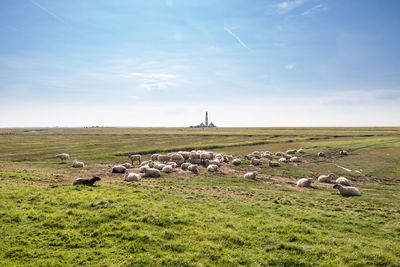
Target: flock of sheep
194, 161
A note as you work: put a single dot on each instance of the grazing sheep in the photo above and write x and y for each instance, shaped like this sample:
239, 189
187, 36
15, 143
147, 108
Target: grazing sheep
127, 165
185, 166
343, 181
321, 154
294, 159
305, 182
78, 164
300, 150
154, 157
89, 182
118, 169
193, 168
325, 178
135, 157
250, 175
291, 151
347, 191
236, 162
163, 158
212, 168
152, 173
256, 162
344, 152
167, 169
273, 164
131, 177
62, 156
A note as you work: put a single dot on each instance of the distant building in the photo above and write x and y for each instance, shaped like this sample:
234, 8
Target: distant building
205, 124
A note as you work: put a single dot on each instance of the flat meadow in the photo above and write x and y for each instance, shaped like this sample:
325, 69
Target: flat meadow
209, 219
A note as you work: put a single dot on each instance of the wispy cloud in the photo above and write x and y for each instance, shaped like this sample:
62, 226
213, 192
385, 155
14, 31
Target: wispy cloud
237, 38
152, 81
55, 16
290, 66
287, 6
315, 10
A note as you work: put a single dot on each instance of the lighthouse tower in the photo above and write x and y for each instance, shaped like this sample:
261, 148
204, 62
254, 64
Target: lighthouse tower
206, 119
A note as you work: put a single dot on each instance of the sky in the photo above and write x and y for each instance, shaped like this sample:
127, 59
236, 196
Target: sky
165, 62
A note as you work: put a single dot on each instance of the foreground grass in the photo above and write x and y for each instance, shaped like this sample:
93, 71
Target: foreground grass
205, 220
184, 222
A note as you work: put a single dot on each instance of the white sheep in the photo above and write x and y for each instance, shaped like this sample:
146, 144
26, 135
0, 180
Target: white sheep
118, 169
159, 166
130, 177
135, 157
172, 164
325, 178
305, 182
143, 168
343, 181
205, 155
250, 175
62, 156
177, 158
193, 168
273, 164
283, 159
154, 157
267, 155
195, 161
151, 172
167, 169
127, 165
212, 168
294, 159
78, 164
185, 166
236, 162
300, 150
347, 191
256, 162
184, 154
344, 152
291, 151
194, 155
163, 158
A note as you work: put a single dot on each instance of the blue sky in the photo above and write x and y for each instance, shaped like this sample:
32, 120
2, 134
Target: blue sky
164, 63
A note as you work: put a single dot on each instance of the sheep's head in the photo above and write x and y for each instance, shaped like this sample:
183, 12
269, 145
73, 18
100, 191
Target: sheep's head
96, 178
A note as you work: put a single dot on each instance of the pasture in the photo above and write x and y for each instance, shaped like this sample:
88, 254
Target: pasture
210, 219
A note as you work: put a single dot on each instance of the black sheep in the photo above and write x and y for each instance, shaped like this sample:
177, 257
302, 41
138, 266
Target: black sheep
88, 182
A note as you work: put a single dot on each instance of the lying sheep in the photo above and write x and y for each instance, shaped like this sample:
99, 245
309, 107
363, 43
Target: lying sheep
177, 158
325, 178
283, 159
291, 151
236, 162
321, 154
294, 159
135, 157
213, 161
89, 182
118, 169
143, 168
250, 175
172, 164
212, 168
62, 156
167, 169
184, 154
78, 164
300, 150
273, 164
195, 161
347, 191
193, 168
256, 162
132, 177
305, 182
159, 166
185, 166
343, 181
154, 157
152, 173
279, 154
127, 165
267, 155
343, 152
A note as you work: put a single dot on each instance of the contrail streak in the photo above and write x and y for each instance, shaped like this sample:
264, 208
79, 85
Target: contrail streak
48, 11
237, 38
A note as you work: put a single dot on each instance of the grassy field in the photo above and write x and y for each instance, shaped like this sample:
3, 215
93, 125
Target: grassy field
206, 220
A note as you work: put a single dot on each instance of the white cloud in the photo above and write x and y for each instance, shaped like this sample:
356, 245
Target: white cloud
315, 10
287, 6
237, 38
152, 81
291, 66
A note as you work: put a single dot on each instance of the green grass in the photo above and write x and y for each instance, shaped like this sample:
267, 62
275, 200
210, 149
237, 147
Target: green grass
206, 220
